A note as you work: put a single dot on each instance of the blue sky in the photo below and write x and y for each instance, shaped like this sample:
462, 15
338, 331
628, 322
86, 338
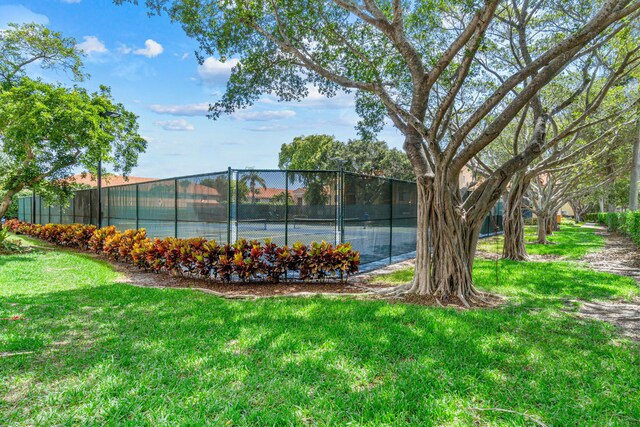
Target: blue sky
150, 66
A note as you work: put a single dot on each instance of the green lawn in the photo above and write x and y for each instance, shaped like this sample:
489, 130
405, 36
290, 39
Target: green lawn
107, 353
572, 242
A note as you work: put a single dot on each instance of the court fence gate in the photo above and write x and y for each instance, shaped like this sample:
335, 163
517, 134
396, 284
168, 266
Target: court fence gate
377, 215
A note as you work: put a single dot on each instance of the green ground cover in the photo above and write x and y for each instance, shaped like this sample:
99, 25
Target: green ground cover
572, 242
99, 352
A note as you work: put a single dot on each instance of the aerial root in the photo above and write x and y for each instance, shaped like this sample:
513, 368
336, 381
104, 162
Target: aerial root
393, 291
463, 300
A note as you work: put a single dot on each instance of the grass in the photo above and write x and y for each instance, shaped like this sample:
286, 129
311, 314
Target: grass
572, 242
108, 353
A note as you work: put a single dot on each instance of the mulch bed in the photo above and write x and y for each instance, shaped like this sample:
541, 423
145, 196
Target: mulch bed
360, 285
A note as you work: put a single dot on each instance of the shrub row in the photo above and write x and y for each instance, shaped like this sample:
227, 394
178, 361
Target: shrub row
627, 223
198, 257
591, 217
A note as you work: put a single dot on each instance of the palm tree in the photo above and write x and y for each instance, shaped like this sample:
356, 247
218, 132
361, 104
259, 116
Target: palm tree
252, 179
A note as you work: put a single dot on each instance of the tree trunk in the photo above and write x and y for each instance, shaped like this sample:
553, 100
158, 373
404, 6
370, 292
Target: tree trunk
577, 212
542, 230
445, 246
6, 201
554, 223
514, 247
601, 203
635, 173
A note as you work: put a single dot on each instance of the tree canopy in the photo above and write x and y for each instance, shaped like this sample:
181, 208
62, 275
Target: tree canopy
360, 156
47, 130
25, 44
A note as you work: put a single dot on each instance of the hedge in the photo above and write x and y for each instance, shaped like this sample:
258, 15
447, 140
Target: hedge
242, 261
591, 217
627, 223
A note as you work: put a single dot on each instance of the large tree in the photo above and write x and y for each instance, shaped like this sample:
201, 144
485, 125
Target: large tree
48, 130
416, 64
34, 45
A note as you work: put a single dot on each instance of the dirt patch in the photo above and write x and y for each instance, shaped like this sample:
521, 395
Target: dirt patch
619, 256
485, 301
492, 256
624, 315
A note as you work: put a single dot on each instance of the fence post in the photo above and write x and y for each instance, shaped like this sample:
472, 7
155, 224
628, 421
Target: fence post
390, 220
286, 207
137, 208
108, 206
229, 204
33, 207
175, 208
340, 207
234, 237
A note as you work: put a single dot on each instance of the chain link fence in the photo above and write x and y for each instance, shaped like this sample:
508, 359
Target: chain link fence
378, 216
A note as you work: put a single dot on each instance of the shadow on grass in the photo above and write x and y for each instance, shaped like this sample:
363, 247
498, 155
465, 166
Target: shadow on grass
539, 283
146, 356
8, 259
571, 242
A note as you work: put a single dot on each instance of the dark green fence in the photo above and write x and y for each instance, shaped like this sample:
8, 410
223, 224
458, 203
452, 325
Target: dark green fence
376, 215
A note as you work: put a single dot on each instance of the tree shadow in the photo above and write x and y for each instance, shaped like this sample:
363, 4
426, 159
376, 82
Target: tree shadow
544, 283
148, 356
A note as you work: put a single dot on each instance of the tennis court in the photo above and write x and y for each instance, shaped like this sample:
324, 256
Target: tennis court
376, 215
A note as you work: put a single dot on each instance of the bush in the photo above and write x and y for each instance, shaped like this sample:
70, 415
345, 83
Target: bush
591, 217
7, 246
627, 223
242, 261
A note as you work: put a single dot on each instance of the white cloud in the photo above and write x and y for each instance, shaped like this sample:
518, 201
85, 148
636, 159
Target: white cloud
175, 125
19, 14
124, 49
151, 49
92, 44
263, 116
200, 109
269, 128
215, 71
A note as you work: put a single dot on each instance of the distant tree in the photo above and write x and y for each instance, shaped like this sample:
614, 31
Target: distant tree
312, 152
48, 130
316, 152
220, 184
375, 158
280, 198
253, 179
